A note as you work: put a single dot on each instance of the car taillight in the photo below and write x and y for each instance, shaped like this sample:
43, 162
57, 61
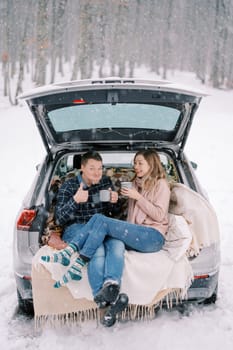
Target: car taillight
25, 219
198, 277
27, 278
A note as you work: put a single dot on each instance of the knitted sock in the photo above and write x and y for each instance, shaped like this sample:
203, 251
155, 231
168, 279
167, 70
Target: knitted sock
74, 273
63, 257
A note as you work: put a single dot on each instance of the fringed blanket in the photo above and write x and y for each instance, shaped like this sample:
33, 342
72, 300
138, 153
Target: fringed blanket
148, 278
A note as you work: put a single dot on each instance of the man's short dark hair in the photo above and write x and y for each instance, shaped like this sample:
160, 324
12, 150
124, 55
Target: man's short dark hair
91, 155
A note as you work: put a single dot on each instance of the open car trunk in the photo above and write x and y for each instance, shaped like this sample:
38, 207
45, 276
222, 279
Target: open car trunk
120, 113
76, 304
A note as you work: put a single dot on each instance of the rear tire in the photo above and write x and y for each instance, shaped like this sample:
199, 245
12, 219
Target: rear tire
25, 306
213, 298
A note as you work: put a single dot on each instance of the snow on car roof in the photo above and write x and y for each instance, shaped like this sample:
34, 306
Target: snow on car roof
110, 83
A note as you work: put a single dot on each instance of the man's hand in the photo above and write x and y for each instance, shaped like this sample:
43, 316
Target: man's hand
81, 195
113, 196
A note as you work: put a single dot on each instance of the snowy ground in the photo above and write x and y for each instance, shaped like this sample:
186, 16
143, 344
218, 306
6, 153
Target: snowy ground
210, 145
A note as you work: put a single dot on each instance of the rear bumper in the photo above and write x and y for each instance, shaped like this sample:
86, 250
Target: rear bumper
199, 291
24, 287
203, 288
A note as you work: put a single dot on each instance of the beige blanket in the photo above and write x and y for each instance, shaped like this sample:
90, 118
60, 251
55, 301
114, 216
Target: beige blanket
199, 214
148, 278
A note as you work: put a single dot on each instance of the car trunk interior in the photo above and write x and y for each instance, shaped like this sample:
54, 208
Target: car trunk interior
118, 168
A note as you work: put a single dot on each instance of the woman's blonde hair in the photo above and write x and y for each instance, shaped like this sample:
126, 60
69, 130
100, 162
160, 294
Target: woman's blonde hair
156, 171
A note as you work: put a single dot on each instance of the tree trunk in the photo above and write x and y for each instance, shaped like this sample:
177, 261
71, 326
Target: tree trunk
217, 58
53, 46
60, 33
167, 43
42, 42
22, 57
86, 39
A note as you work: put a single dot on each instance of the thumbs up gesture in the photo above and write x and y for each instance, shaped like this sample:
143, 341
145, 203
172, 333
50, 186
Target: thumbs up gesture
81, 195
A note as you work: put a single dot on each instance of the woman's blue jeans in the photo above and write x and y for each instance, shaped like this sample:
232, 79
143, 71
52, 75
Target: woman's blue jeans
106, 264
136, 237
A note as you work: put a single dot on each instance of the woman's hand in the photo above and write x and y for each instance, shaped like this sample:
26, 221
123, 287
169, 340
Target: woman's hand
131, 193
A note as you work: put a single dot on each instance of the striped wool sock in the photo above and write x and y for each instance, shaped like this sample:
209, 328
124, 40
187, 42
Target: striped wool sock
74, 273
63, 257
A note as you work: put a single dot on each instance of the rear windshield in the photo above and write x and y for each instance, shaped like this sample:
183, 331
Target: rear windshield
120, 115
114, 115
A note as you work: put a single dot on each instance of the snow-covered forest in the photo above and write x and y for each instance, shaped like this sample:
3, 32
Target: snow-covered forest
210, 326
39, 37
190, 42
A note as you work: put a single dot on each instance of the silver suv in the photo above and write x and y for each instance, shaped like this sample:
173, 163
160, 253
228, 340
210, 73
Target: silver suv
115, 117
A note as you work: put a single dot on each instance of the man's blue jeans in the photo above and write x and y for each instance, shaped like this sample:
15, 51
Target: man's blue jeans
107, 262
